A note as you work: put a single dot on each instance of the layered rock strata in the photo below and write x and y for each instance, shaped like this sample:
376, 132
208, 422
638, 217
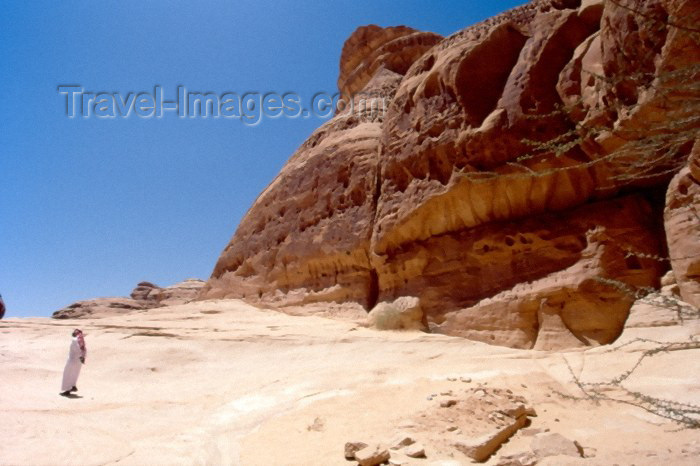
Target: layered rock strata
510, 184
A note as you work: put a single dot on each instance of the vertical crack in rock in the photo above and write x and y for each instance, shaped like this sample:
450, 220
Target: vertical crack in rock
373, 288
373, 291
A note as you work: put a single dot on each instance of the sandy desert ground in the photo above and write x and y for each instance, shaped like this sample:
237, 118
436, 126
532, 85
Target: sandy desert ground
220, 382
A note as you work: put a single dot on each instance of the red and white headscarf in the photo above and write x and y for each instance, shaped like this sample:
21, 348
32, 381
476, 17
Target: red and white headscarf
81, 341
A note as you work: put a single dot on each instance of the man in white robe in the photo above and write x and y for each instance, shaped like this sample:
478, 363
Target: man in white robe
76, 358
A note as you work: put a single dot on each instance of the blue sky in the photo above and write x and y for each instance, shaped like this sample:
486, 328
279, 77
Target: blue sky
89, 207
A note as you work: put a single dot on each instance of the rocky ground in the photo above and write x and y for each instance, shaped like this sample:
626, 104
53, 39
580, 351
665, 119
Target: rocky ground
221, 382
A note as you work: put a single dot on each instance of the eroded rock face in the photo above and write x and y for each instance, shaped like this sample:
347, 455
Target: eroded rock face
145, 291
180, 293
584, 304
682, 222
456, 194
371, 47
631, 87
307, 236
456, 271
460, 117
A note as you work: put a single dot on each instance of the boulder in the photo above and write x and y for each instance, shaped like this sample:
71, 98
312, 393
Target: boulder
554, 444
415, 450
404, 313
669, 287
481, 448
401, 440
372, 455
353, 447
399, 459
525, 458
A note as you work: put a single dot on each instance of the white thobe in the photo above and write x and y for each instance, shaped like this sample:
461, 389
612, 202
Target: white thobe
72, 370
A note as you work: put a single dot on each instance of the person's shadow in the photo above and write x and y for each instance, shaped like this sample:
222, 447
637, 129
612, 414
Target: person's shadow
72, 396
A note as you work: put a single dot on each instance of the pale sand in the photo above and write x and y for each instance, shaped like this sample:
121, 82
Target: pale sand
220, 382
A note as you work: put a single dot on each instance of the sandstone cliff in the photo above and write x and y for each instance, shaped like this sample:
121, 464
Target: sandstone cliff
512, 184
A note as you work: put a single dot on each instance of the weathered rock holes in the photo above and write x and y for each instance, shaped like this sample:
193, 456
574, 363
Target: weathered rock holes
565, 4
480, 79
648, 31
435, 130
357, 196
259, 227
426, 64
432, 86
344, 177
439, 169
632, 263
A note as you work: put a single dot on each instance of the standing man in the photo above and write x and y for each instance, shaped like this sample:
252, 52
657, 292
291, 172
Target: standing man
76, 358
2, 307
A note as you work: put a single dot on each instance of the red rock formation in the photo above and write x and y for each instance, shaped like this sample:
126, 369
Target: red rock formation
371, 47
484, 188
682, 221
306, 238
631, 87
459, 121
584, 304
457, 271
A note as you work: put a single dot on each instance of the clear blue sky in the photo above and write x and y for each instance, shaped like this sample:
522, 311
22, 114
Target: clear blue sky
90, 207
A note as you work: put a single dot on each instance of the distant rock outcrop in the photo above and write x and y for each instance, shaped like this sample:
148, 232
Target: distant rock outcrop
511, 185
180, 293
146, 295
99, 307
